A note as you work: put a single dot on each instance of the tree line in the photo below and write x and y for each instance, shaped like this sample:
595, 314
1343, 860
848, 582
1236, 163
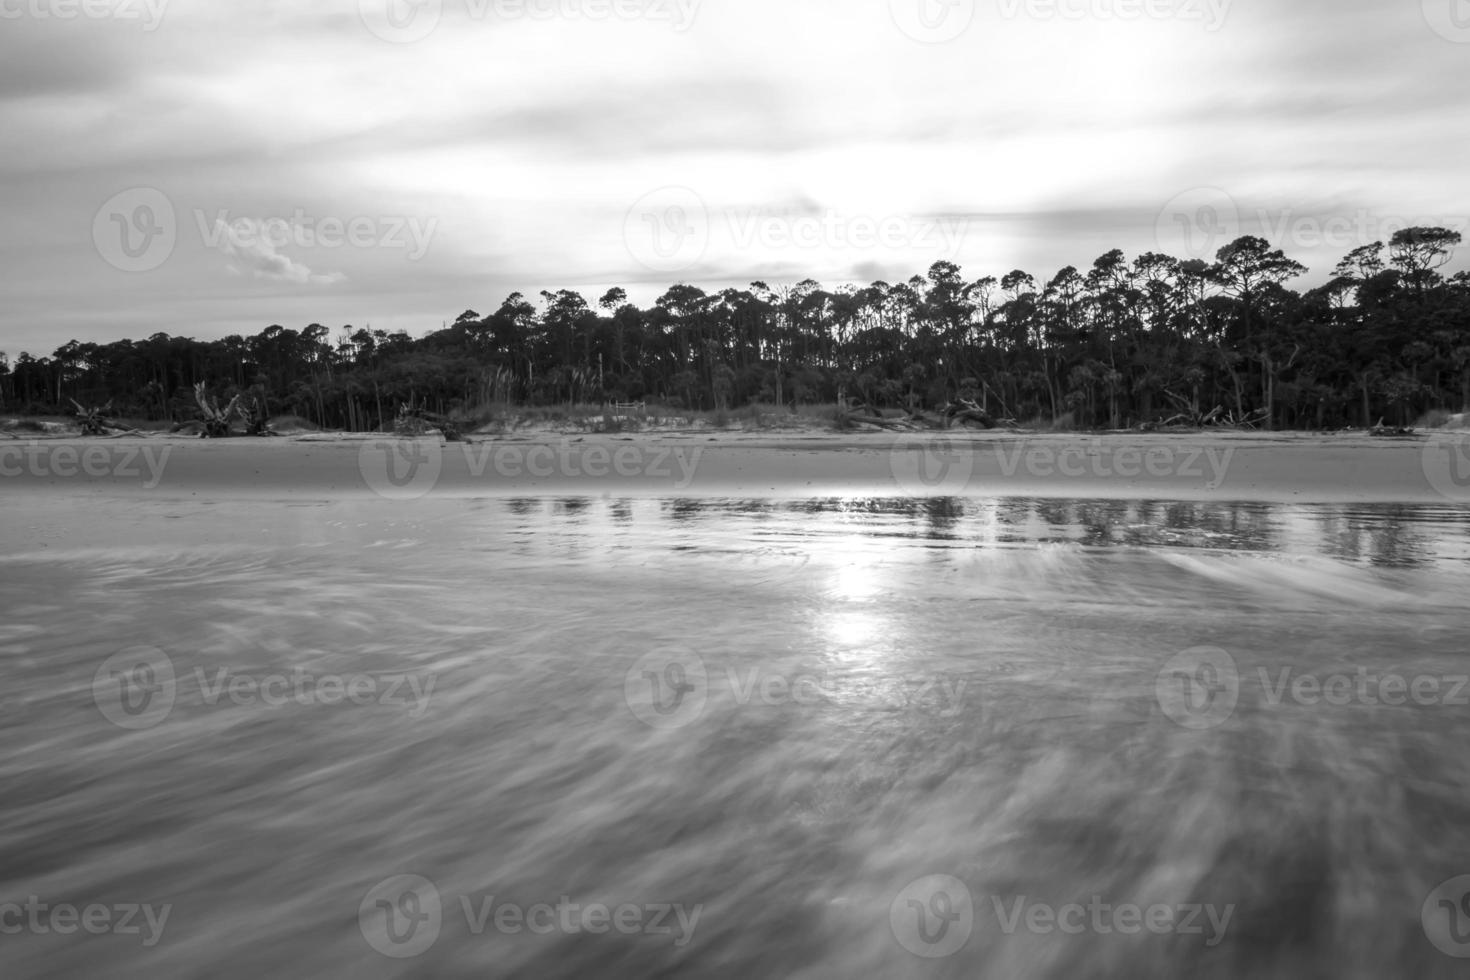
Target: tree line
1119, 344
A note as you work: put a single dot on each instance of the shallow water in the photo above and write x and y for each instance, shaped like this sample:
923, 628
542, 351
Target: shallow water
761, 728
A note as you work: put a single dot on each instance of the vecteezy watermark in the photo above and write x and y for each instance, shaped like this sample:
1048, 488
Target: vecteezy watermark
409, 469
401, 21
772, 229
39, 918
934, 917
1210, 13
671, 229
932, 21
410, 233
1363, 687
671, 687
1446, 462
1104, 918
942, 464
138, 687
65, 461
667, 230
1198, 222
1096, 458
1445, 916
401, 469
147, 12
409, 21
1200, 688
1343, 231
401, 917
137, 230
135, 688
1450, 19
298, 686
934, 464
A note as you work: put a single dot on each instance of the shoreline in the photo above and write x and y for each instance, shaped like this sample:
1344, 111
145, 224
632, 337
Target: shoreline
1432, 468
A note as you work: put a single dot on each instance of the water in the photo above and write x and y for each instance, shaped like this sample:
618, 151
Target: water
760, 727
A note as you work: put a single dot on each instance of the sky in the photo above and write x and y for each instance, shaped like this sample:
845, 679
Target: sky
207, 167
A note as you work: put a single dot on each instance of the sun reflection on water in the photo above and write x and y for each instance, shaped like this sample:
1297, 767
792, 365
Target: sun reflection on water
853, 628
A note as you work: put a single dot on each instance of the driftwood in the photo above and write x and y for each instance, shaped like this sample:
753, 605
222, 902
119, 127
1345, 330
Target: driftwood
253, 414
961, 412
1215, 418
1390, 431
876, 420
1251, 420
415, 420
964, 410
1194, 419
898, 425
864, 414
1189, 415
94, 422
216, 420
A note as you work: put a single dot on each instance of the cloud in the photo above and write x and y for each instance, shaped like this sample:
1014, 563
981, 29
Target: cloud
529, 140
253, 244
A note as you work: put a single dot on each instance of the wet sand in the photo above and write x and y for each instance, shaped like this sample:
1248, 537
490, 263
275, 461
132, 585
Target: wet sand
914, 688
272, 723
1289, 467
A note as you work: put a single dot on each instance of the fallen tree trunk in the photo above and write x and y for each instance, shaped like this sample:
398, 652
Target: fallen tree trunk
876, 420
413, 421
1390, 431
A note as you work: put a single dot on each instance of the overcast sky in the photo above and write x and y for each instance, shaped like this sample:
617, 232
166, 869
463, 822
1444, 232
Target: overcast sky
204, 167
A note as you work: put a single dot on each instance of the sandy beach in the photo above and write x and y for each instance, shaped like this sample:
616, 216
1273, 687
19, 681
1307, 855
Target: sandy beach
1433, 468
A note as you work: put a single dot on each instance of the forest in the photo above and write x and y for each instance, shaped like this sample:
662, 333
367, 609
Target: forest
1119, 344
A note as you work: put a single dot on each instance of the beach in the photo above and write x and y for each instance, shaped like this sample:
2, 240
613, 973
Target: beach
1301, 467
734, 704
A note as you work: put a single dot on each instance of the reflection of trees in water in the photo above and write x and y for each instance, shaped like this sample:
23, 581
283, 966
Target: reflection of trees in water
1395, 536
1380, 534
1236, 525
1388, 534
1250, 523
943, 515
760, 509
571, 506
687, 508
902, 506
